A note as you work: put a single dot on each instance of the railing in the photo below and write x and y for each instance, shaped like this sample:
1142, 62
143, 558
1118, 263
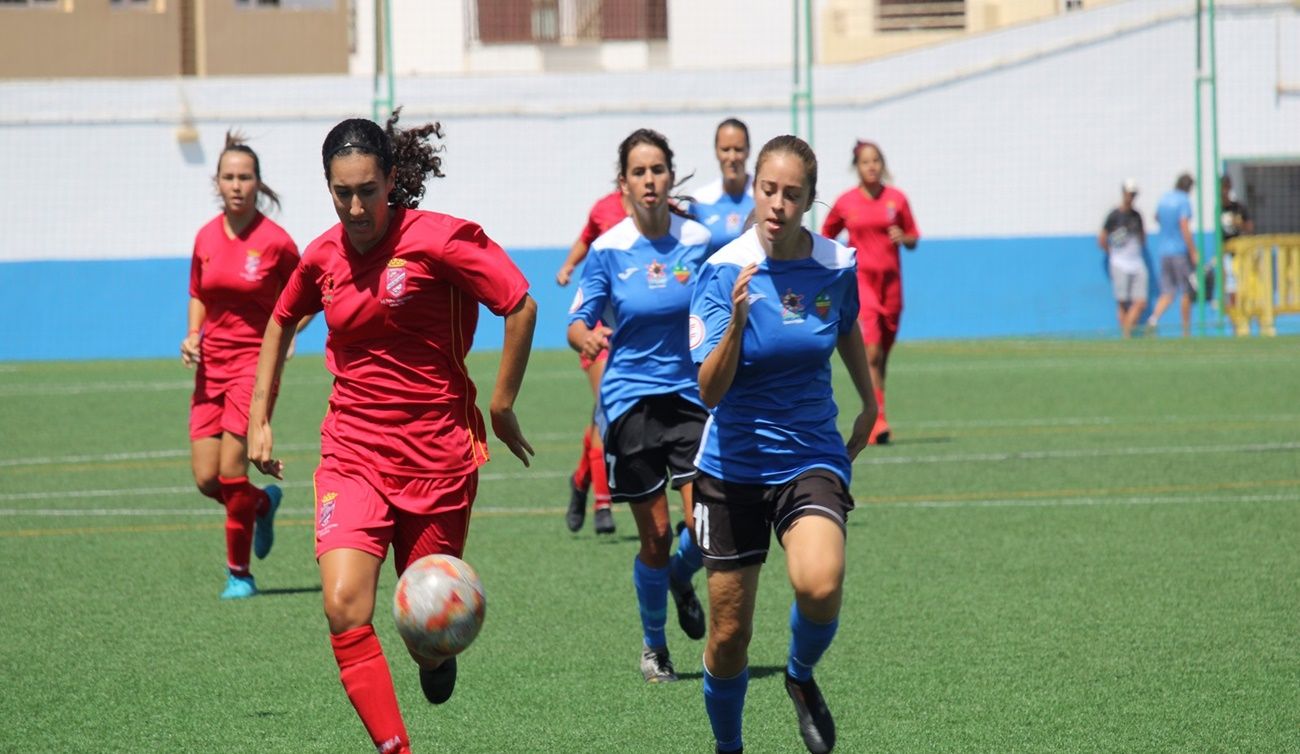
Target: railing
1267, 270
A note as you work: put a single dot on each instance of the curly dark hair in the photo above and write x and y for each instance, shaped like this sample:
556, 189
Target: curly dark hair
406, 152
236, 141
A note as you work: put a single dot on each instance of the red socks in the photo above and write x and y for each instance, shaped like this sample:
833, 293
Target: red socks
880, 400
243, 502
364, 673
599, 479
582, 477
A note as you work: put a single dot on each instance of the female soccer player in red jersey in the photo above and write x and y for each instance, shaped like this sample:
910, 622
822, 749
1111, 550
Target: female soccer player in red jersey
402, 440
608, 211
879, 220
241, 262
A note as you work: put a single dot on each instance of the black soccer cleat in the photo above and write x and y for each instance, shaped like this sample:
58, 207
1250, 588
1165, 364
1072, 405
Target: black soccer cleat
815, 722
577, 512
690, 614
604, 520
437, 684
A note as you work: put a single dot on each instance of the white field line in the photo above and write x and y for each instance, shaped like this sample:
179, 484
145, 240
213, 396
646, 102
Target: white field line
1046, 502
1052, 455
1057, 502
1076, 421
185, 490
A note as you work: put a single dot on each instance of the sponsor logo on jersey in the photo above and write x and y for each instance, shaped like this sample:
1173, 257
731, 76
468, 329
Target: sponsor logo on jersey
395, 283
629, 272
656, 275
681, 273
792, 309
713, 219
696, 332
822, 304
751, 298
252, 265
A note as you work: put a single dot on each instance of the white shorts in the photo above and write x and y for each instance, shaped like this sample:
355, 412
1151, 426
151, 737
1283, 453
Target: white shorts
1129, 285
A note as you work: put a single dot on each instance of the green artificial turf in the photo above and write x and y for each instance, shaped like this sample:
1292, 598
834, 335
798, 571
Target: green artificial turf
1071, 546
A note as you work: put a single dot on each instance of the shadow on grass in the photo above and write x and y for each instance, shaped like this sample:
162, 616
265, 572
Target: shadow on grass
291, 590
923, 440
755, 672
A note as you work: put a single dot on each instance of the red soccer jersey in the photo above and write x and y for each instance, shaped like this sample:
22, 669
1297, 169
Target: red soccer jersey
238, 280
868, 221
607, 212
401, 318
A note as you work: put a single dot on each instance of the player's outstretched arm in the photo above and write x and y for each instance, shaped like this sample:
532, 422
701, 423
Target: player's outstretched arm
510, 375
577, 253
854, 356
270, 362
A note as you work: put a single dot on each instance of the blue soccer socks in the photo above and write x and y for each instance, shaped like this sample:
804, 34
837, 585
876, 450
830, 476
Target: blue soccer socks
687, 560
724, 700
808, 641
652, 599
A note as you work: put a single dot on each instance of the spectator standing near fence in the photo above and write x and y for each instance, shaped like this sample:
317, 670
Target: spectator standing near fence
1176, 250
1122, 239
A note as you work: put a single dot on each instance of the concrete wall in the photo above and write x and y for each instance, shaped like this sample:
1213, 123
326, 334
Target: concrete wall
1024, 134
257, 40
95, 40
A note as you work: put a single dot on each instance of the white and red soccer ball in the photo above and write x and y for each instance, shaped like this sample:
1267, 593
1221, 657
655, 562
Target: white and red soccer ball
439, 606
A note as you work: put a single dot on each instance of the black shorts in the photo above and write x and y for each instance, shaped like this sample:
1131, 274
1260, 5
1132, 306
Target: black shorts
654, 443
734, 521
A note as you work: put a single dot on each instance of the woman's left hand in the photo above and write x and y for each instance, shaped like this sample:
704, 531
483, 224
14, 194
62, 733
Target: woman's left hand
861, 433
505, 425
896, 234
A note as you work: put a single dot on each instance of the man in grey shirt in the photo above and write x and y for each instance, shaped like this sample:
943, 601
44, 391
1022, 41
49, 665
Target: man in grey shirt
1123, 238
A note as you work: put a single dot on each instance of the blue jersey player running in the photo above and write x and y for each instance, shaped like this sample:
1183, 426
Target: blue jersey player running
723, 205
767, 312
639, 276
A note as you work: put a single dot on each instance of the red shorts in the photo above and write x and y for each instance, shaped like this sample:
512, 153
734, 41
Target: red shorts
363, 509
880, 296
217, 407
586, 363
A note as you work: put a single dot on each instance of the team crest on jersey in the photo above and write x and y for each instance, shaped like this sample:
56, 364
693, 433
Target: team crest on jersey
792, 309
252, 266
822, 304
326, 512
395, 283
656, 274
681, 273
733, 222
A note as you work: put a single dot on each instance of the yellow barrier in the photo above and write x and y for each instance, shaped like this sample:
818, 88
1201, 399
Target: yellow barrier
1267, 269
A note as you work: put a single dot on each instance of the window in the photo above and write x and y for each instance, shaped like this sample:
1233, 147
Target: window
50, 4
566, 21
288, 4
921, 15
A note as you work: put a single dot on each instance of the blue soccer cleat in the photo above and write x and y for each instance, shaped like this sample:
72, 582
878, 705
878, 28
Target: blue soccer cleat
264, 528
239, 587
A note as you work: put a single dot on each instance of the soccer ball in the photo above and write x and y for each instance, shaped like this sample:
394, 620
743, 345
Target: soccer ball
438, 606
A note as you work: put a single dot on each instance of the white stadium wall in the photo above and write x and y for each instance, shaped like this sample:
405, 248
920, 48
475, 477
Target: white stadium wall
1023, 133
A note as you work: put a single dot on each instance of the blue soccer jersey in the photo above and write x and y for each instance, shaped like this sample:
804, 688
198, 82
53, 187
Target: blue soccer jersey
778, 418
723, 214
642, 289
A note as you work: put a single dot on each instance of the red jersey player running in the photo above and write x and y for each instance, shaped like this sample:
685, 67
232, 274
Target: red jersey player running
608, 211
402, 440
241, 262
879, 220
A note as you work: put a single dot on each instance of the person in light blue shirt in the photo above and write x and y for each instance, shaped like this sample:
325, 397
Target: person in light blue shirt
639, 276
723, 205
767, 313
1176, 250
